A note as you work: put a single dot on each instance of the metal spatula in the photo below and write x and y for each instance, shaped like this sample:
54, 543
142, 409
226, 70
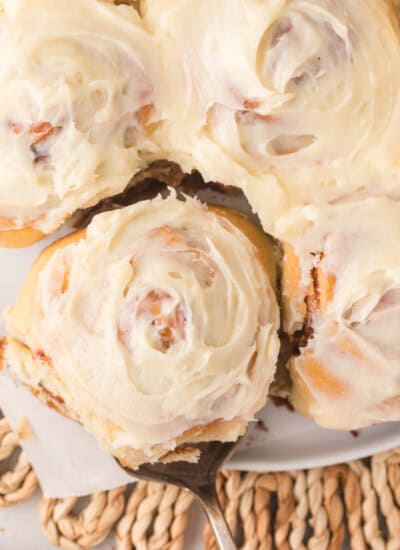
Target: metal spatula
199, 479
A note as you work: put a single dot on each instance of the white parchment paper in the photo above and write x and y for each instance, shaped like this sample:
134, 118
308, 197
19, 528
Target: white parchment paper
68, 461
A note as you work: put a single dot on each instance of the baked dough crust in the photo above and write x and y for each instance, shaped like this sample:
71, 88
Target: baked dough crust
19, 238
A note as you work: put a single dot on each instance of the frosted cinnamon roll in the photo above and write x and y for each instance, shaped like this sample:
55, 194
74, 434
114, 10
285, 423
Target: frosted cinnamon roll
341, 281
76, 101
155, 327
295, 101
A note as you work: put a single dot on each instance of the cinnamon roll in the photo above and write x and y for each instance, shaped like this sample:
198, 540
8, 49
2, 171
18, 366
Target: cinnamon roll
341, 280
76, 102
295, 101
154, 327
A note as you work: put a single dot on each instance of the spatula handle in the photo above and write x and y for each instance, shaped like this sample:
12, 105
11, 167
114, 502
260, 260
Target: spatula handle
208, 498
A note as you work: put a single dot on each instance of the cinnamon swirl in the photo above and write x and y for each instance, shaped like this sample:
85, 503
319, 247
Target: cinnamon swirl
295, 101
154, 327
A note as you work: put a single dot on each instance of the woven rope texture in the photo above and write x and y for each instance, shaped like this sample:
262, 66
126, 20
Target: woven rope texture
317, 509
72, 530
17, 479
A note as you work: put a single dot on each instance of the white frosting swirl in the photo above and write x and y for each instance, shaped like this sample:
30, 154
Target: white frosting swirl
76, 91
348, 374
293, 100
160, 320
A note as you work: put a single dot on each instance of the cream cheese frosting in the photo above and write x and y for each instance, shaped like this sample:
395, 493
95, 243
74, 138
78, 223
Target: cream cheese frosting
347, 376
161, 319
76, 94
295, 101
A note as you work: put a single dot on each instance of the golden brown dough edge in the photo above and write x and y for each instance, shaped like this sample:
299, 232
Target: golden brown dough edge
20, 238
22, 313
218, 430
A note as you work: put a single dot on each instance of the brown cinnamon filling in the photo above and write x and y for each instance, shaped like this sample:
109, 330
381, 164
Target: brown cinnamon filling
3, 343
42, 131
157, 179
320, 294
282, 402
300, 338
171, 328
55, 402
41, 356
39, 133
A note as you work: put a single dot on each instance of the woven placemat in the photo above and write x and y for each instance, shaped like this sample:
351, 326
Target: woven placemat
357, 503
17, 479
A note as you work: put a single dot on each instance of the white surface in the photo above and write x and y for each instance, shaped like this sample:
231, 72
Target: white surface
21, 527
290, 442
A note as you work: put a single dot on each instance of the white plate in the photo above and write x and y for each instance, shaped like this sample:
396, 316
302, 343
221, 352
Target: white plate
291, 441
